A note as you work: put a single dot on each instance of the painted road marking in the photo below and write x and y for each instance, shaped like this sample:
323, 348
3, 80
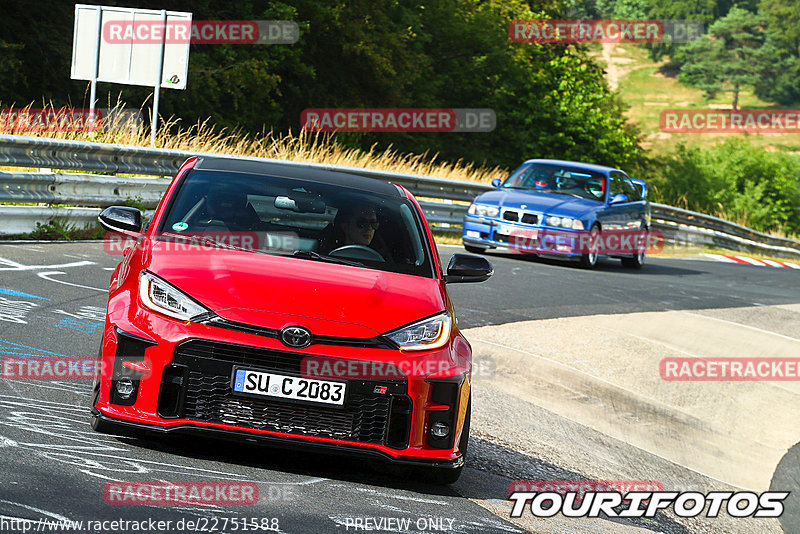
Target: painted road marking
14, 293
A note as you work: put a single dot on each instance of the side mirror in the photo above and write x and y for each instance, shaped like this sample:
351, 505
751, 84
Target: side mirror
468, 268
496, 183
121, 219
641, 185
619, 198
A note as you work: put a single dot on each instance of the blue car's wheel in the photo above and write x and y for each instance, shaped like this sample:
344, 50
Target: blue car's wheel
589, 260
636, 261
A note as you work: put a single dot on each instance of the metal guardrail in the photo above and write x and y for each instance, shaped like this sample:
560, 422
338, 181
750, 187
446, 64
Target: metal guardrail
442, 200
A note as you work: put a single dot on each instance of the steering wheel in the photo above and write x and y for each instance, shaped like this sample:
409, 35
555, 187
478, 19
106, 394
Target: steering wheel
358, 252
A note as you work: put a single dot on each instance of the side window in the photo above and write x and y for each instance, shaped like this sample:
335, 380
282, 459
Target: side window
630, 190
615, 185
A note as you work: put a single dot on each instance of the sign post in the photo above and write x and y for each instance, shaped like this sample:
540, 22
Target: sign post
132, 47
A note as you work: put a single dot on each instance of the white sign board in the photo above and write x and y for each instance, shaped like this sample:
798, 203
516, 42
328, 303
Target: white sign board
130, 43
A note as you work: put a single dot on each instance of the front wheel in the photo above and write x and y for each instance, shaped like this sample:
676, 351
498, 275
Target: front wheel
589, 260
637, 260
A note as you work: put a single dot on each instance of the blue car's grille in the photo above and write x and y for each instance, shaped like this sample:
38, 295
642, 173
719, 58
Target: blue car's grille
523, 217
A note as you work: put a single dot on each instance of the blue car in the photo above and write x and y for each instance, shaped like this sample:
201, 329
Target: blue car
562, 209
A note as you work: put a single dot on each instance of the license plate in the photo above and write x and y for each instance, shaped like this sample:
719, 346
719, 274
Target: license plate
504, 229
288, 387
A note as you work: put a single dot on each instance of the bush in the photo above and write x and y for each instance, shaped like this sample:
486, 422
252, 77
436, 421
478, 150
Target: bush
734, 180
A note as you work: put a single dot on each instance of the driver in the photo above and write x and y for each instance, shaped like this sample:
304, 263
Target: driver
354, 224
358, 225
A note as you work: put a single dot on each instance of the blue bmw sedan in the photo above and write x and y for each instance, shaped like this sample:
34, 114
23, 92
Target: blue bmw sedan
562, 209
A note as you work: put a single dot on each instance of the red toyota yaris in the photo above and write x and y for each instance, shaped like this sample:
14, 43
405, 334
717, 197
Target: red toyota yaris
294, 307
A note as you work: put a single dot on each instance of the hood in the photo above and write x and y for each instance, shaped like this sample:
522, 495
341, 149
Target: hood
274, 291
548, 203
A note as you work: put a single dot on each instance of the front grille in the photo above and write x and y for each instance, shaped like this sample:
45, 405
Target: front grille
207, 396
511, 216
530, 218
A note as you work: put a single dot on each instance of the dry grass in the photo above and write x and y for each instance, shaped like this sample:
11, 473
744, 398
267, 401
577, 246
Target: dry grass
303, 146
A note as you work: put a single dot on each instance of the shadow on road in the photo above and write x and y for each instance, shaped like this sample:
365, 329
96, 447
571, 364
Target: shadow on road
787, 478
490, 469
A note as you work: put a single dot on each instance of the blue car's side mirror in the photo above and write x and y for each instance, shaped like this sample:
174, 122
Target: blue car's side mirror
497, 182
641, 185
621, 197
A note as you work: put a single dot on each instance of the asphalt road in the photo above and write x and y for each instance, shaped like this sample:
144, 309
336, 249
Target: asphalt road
52, 299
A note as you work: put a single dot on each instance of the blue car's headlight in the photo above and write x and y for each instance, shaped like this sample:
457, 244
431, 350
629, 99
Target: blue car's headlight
482, 210
564, 222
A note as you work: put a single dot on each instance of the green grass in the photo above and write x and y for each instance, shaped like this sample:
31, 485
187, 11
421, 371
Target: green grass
649, 92
59, 230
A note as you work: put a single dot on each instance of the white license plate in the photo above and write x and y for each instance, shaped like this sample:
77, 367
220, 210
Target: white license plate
288, 387
504, 229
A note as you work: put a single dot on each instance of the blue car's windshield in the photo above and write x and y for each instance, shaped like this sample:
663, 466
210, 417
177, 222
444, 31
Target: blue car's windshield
562, 180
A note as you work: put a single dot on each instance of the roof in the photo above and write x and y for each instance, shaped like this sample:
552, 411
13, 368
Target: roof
589, 166
311, 174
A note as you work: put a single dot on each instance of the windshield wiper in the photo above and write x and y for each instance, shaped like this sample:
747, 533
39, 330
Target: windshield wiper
576, 195
311, 255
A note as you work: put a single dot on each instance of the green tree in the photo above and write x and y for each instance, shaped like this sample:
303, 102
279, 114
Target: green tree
733, 55
735, 179
783, 32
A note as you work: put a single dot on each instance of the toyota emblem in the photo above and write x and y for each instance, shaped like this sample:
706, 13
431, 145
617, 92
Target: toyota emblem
296, 337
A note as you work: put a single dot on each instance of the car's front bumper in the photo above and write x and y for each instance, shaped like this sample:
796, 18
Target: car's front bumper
132, 428
188, 391
522, 238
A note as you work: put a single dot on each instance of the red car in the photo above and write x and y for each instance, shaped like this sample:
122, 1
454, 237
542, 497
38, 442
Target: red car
294, 307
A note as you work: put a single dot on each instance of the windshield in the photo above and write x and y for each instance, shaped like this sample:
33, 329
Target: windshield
293, 217
559, 179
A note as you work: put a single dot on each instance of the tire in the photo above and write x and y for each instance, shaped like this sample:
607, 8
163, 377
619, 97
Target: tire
636, 261
443, 476
474, 250
98, 425
589, 261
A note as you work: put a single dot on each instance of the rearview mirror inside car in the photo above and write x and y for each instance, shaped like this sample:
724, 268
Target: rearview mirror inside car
303, 203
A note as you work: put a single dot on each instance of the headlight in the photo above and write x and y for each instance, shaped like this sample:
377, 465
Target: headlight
564, 222
553, 221
430, 333
163, 297
482, 210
